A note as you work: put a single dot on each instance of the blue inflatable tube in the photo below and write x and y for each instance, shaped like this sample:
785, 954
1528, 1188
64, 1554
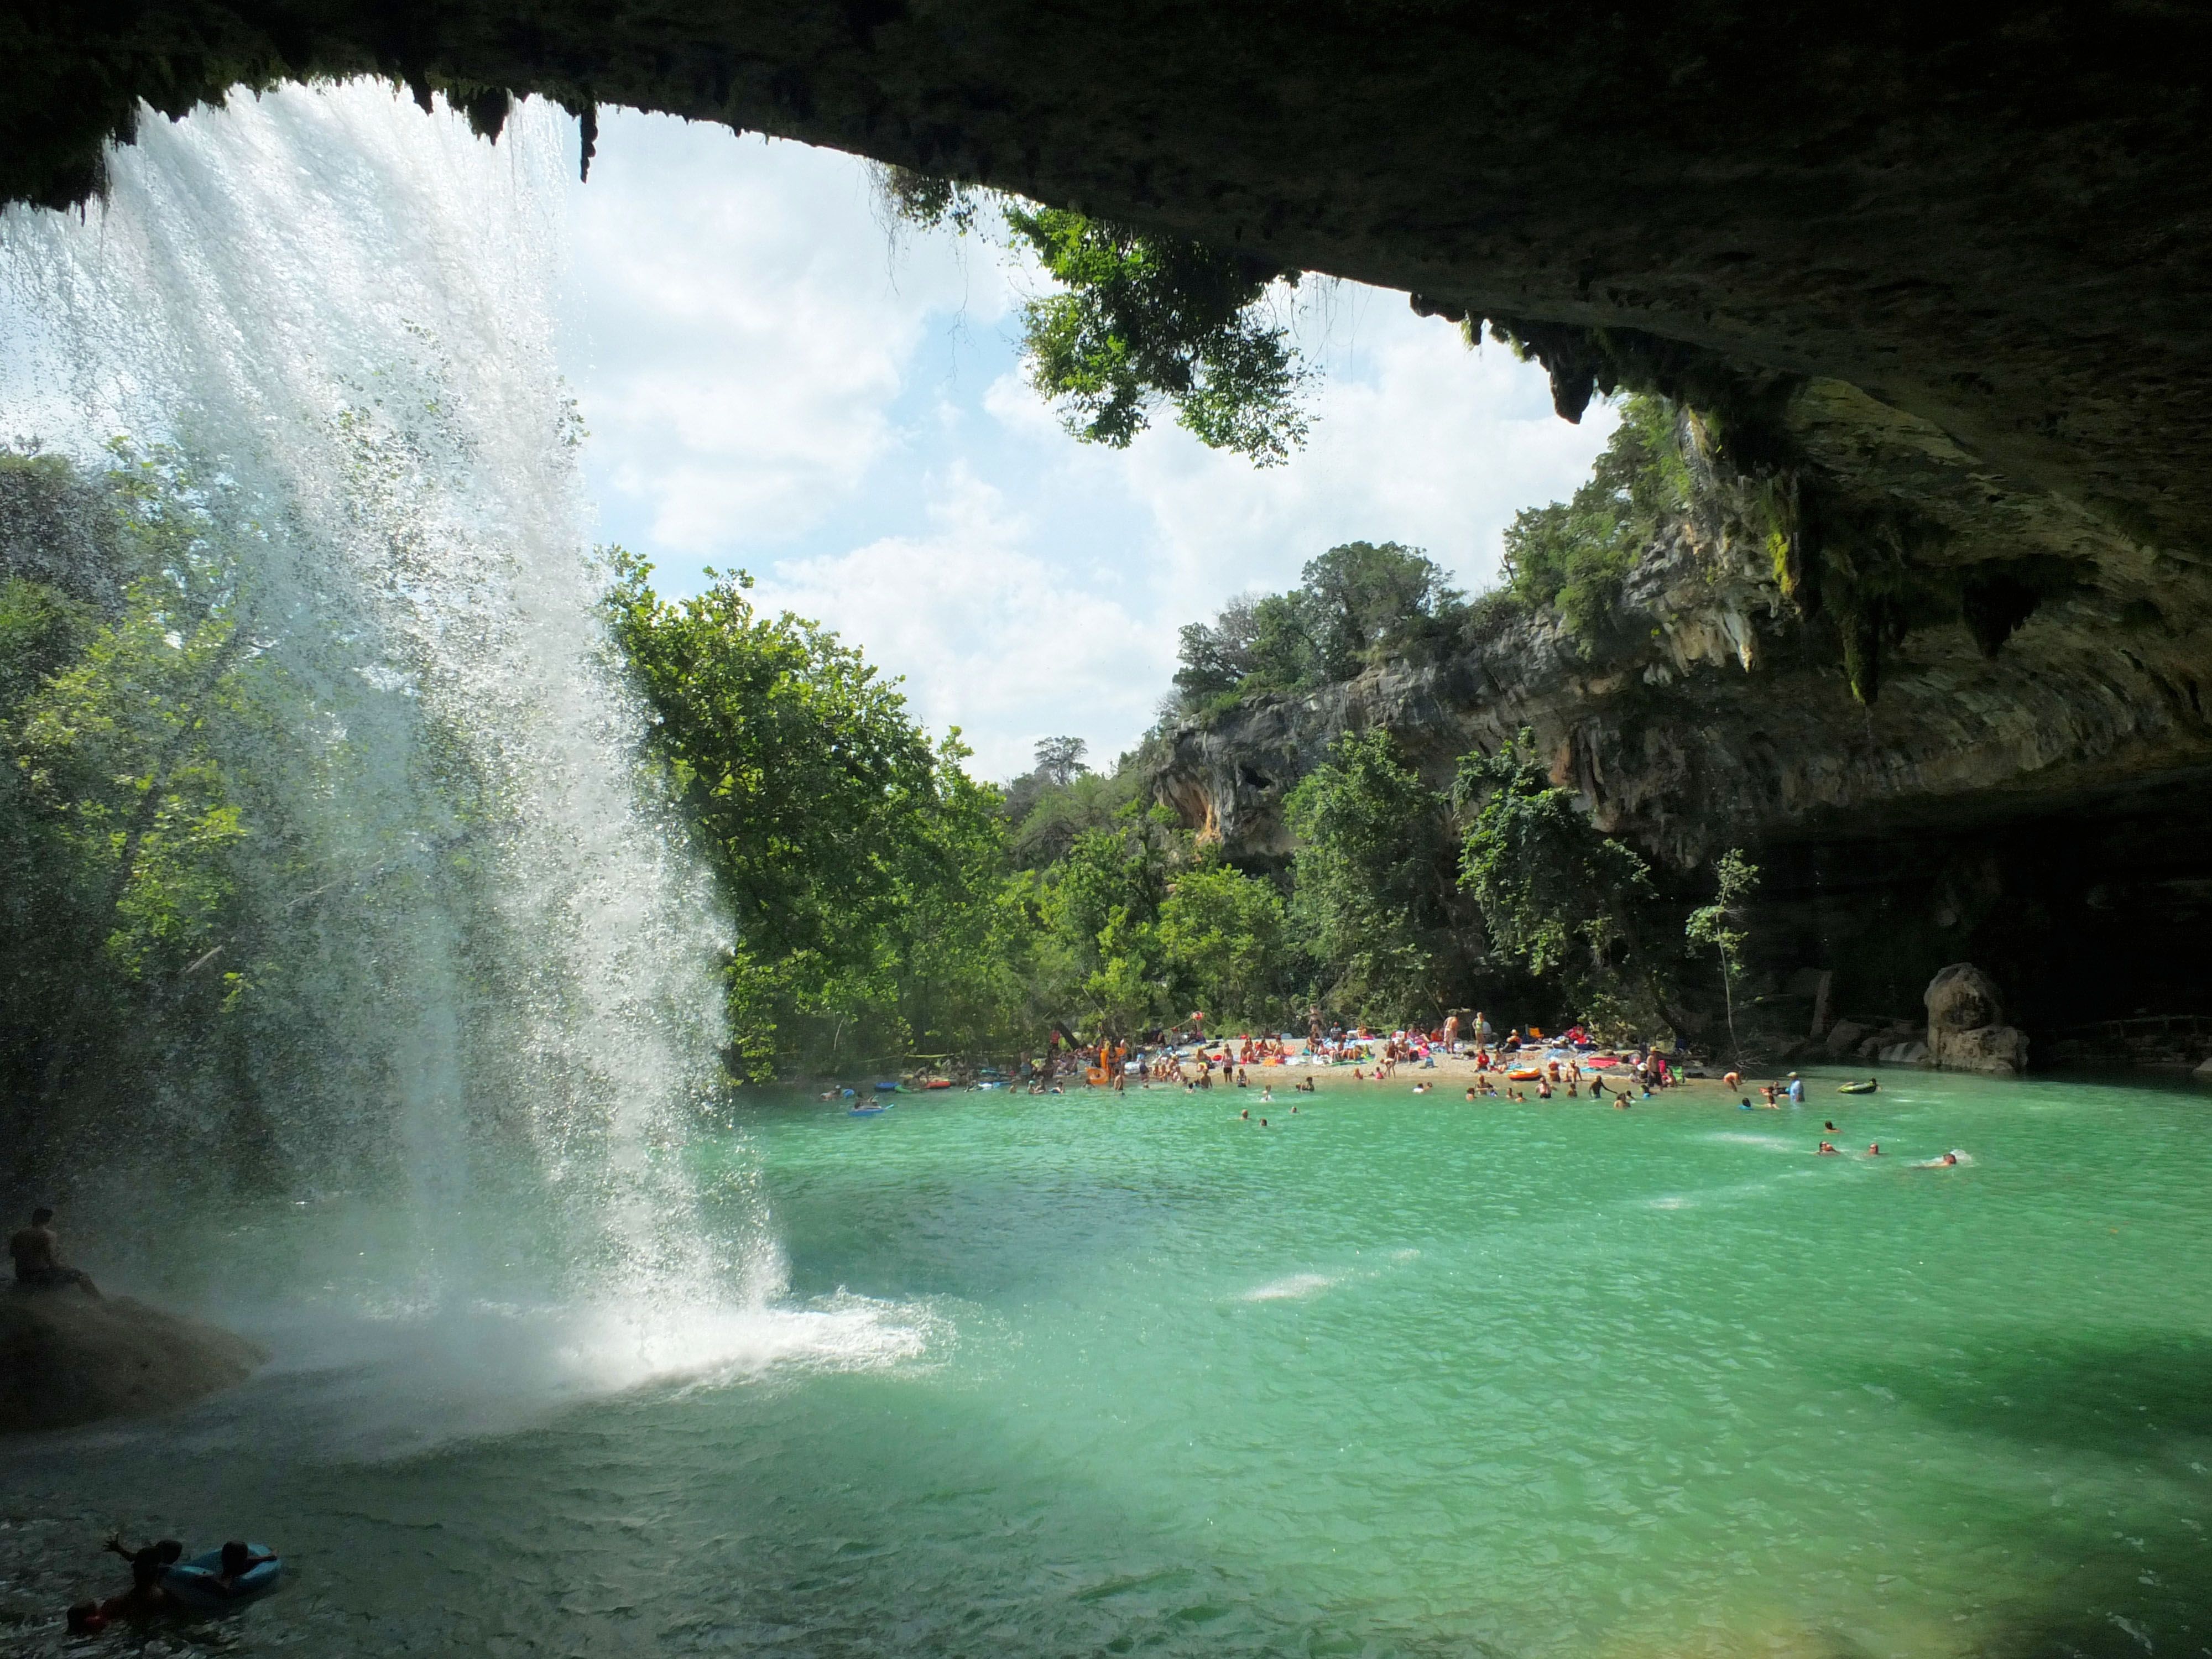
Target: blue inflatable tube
195, 1583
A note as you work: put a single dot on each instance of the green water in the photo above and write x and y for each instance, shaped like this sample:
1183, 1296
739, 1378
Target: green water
1393, 1375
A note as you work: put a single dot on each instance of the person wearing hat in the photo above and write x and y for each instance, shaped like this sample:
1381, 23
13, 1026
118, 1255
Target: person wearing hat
1796, 1089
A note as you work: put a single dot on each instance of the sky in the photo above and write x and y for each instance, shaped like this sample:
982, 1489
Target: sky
775, 382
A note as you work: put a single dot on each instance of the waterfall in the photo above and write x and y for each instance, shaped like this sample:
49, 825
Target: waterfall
495, 970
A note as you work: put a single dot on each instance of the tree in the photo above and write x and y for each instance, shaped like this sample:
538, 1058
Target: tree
1145, 318
1100, 905
1367, 599
1735, 879
1355, 605
1556, 894
1372, 899
863, 868
1223, 942
1060, 759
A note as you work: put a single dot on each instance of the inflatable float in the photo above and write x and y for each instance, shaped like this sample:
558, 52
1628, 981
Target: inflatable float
1524, 1074
1866, 1088
197, 1583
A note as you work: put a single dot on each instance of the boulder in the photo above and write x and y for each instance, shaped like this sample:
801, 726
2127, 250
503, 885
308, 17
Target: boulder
66, 1358
1961, 998
1843, 1036
2204, 1074
1869, 1049
1906, 1054
1995, 1050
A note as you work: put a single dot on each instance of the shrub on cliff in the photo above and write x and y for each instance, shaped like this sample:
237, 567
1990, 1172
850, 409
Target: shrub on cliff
1354, 606
1575, 554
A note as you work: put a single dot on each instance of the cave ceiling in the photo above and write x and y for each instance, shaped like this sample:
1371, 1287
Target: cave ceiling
1989, 219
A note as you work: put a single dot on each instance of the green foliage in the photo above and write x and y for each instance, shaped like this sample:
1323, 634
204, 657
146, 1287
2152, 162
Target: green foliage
1713, 924
1373, 895
1224, 941
131, 694
863, 867
1355, 605
1555, 895
1144, 319
1577, 554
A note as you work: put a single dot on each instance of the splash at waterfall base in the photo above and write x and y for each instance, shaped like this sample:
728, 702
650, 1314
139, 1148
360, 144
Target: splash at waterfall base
67, 1359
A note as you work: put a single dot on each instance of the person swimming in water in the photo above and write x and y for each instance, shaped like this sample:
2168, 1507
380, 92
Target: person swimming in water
1246, 1114
1829, 1126
1827, 1149
1874, 1149
147, 1598
1744, 1102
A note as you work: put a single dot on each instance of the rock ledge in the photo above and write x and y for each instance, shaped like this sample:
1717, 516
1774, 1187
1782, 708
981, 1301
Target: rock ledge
66, 1358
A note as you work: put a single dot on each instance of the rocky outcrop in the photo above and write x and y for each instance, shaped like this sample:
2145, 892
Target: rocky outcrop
2025, 799
67, 1359
1960, 998
1966, 1028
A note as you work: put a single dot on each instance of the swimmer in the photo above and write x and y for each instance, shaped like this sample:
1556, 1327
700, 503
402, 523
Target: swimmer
1420, 1088
1745, 1103
1266, 1093
1470, 1092
1830, 1127
1246, 1114
1306, 1086
1828, 1151
1263, 1123
1874, 1149
1294, 1111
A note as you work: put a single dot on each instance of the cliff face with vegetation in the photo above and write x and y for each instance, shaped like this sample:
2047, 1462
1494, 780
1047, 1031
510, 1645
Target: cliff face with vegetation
2031, 799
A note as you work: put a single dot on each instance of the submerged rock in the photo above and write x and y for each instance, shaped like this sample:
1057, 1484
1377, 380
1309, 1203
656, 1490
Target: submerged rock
67, 1359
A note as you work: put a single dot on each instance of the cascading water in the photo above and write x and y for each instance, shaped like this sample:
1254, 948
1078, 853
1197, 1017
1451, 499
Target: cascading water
489, 992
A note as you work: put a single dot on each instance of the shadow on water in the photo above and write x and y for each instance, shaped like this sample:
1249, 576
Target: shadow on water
2120, 1395
2120, 1547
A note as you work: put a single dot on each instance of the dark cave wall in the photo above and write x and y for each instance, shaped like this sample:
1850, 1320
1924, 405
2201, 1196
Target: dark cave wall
1989, 216
2096, 912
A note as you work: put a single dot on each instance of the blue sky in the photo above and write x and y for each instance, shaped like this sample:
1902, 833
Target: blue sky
773, 382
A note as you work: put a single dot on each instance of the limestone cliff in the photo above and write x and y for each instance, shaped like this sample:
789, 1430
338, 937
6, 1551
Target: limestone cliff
2029, 799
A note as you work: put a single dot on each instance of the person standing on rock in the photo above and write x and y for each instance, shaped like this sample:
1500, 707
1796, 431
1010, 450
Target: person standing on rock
37, 1250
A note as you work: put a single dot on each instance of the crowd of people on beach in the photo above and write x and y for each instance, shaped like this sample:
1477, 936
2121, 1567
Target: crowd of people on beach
1520, 1065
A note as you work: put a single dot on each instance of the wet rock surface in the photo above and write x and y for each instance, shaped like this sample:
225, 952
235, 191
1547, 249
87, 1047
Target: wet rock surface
68, 1359
1984, 222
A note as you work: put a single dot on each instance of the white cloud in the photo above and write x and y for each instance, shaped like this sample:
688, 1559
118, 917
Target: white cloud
741, 332
768, 388
988, 631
